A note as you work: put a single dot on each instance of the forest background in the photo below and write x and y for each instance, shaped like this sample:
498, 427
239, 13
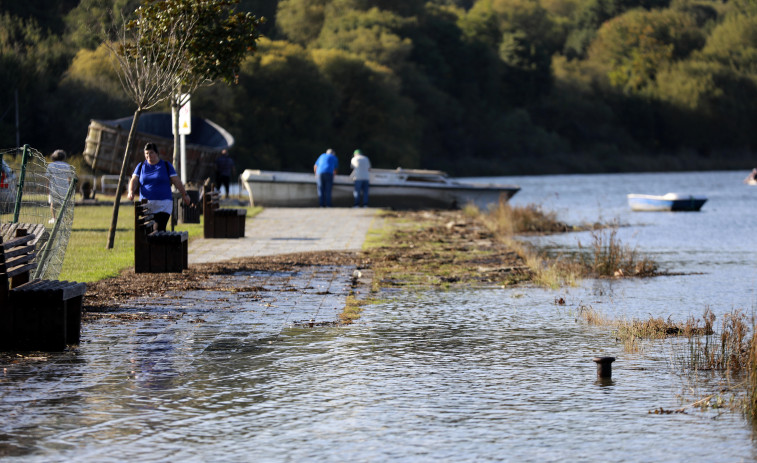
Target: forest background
473, 87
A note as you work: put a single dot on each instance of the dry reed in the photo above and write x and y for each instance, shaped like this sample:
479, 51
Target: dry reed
609, 257
508, 220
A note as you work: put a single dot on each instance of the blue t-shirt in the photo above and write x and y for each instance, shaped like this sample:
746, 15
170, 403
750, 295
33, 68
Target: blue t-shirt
326, 164
155, 181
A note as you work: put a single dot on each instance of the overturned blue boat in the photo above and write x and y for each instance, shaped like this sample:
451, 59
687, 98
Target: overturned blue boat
106, 143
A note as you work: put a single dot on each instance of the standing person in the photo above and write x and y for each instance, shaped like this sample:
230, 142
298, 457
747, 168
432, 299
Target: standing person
59, 174
325, 169
154, 177
361, 174
224, 170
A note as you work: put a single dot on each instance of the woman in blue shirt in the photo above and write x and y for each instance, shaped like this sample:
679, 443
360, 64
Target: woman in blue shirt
154, 177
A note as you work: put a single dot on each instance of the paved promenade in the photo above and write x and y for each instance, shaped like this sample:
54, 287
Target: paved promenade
287, 230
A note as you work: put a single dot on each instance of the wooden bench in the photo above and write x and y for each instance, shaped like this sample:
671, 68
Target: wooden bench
35, 314
8, 232
157, 251
220, 222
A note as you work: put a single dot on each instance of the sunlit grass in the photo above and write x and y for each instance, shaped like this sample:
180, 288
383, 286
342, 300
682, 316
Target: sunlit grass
505, 219
87, 258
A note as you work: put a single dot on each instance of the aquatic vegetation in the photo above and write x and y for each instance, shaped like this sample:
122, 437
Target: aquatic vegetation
633, 332
607, 256
726, 351
698, 347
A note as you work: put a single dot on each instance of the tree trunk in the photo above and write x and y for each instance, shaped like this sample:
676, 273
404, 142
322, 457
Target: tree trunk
175, 107
176, 148
122, 178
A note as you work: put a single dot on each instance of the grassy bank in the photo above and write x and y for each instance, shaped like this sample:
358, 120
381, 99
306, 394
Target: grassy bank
88, 260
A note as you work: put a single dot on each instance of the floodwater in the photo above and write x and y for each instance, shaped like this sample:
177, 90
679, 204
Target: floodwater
476, 374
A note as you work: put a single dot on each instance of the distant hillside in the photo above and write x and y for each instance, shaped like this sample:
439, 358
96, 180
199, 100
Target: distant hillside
472, 87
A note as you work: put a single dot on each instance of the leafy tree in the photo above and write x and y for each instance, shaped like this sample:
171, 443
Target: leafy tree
524, 36
301, 20
371, 114
90, 89
734, 43
634, 46
217, 40
371, 35
284, 109
46, 13
88, 22
150, 60
591, 14
266, 11
178, 42
30, 64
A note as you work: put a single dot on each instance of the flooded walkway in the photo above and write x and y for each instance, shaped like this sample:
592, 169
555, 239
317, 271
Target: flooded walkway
156, 365
287, 230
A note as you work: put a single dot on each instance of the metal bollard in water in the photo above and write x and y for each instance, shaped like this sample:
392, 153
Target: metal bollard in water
604, 366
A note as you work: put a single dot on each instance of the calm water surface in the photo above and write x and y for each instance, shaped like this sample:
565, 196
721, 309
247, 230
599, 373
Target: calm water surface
465, 375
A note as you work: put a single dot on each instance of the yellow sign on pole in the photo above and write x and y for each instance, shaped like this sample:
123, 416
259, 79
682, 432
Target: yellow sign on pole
185, 116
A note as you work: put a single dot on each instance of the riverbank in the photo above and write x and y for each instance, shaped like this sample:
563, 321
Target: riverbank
403, 248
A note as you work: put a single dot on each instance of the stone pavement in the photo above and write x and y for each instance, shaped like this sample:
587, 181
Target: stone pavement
287, 230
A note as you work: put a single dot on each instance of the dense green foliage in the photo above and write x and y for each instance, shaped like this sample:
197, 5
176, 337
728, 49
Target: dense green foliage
469, 86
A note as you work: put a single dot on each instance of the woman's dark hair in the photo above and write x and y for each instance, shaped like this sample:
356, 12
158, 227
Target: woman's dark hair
58, 155
152, 147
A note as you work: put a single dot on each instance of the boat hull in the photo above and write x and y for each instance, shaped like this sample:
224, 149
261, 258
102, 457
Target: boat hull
649, 203
286, 189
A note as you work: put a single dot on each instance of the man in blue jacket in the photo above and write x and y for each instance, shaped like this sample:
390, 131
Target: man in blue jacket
325, 169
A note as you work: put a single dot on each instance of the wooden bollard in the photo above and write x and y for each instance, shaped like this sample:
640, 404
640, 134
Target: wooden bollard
604, 366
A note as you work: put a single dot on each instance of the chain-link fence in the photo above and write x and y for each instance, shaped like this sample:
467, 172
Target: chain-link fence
39, 197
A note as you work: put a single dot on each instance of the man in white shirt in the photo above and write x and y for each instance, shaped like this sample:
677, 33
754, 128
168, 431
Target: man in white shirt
59, 174
361, 174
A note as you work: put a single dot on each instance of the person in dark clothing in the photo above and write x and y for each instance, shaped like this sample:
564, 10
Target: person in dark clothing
224, 170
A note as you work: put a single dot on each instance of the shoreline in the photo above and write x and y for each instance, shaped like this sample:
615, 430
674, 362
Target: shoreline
432, 249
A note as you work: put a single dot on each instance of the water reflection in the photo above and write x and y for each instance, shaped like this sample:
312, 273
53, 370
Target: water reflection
464, 375
461, 375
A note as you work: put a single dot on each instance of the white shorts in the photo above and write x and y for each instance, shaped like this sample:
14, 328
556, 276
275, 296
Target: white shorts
160, 205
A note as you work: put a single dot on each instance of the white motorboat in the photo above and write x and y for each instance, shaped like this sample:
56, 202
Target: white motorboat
397, 189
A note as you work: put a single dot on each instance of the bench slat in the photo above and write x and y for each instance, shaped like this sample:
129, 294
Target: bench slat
17, 251
20, 269
21, 240
52, 288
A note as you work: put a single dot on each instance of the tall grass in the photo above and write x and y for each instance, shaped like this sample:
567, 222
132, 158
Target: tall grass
632, 332
750, 405
699, 346
507, 220
726, 351
607, 256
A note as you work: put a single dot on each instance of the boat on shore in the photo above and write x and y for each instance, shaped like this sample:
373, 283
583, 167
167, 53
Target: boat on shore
397, 189
667, 202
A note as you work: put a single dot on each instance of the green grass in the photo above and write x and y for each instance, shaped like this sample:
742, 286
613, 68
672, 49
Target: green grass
87, 259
